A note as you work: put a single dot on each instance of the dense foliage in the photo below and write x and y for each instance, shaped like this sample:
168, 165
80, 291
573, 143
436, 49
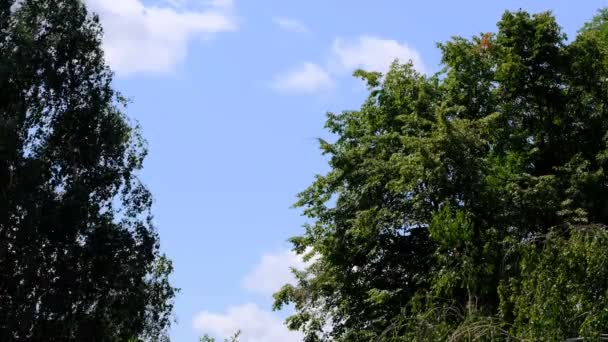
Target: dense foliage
79, 256
467, 204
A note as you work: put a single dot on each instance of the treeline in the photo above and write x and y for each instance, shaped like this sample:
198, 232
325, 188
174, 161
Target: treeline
467, 205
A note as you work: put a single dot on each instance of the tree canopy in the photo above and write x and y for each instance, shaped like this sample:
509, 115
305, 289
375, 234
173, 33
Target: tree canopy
79, 255
467, 204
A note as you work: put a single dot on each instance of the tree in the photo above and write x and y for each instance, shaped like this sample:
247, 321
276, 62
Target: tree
454, 200
79, 256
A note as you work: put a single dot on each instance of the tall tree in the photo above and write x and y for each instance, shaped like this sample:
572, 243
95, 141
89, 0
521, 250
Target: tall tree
79, 256
456, 202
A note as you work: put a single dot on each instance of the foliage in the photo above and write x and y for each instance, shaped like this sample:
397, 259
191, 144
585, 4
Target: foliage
562, 291
79, 256
459, 205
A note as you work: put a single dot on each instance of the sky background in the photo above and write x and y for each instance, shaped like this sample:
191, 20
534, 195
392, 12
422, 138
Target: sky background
232, 96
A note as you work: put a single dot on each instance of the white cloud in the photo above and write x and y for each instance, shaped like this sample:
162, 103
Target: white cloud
306, 78
221, 3
225, 4
272, 272
372, 53
290, 25
140, 38
366, 52
176, 3
255, 324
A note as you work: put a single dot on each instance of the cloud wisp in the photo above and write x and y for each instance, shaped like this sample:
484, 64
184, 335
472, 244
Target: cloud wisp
305, 78
290, 25
256, 324
366, 52
154, 39
373, 54
272, 272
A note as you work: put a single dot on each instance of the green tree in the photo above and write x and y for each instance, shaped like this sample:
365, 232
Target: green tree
454, 200
79, 256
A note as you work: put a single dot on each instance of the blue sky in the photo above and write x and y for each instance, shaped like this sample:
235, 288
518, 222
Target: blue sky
232, 96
